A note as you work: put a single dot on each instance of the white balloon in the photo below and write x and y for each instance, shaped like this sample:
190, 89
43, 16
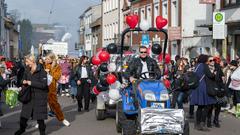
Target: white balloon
112, 67
116, 85
144, 25
114, 94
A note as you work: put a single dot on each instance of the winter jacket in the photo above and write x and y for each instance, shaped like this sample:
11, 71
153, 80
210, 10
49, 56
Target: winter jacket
37, 107
235, 80
135, 68
55, 72
78, 73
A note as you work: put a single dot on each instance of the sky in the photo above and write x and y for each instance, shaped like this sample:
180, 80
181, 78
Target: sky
65, 12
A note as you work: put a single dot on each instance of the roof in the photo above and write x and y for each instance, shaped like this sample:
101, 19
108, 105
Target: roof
89, 8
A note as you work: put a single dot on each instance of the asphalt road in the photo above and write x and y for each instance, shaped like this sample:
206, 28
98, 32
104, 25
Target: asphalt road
85, 123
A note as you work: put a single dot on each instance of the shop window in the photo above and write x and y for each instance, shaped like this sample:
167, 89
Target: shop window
230, 3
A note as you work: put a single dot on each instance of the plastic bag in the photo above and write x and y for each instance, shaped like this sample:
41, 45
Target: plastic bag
12, 97
49, 79
238, 110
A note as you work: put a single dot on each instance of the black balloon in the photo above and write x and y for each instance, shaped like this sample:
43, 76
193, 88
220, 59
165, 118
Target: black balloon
104, 67
112, 48
101, 88
103, 80
156, 49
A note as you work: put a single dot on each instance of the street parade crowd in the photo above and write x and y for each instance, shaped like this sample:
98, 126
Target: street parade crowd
43, 80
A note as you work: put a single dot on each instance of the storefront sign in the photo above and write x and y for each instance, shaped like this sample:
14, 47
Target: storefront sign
219, 28
145, 40
207, 1
174, 33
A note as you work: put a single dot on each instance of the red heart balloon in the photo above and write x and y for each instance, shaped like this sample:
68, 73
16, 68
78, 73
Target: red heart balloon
95, 60
161, 22
132, 21
111, 79
104, 56
167, 58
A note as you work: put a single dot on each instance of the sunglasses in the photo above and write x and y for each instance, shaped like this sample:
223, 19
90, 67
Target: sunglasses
211, 60
143, 52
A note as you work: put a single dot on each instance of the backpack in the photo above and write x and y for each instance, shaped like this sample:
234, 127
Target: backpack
191, 80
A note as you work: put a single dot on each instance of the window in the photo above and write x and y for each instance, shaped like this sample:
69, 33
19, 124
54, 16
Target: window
116, 3
105, 32
104, 6
116, 28
111, 31
149, 15
156, 13
165, 9
113, 4
110, 5
142, 13
174, 15
107, 5
229, 3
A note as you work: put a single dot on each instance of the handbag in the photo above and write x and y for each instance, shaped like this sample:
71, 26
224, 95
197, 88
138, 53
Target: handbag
25, 95
222, 101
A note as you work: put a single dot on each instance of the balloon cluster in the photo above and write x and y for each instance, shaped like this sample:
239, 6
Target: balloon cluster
101, 59
133, 20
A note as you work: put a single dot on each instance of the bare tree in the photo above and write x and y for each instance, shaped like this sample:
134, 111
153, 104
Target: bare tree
15, 15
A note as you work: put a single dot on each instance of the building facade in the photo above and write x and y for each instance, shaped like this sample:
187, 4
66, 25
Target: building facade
229, 47
196, 35
3, 41
187, 37
112, 21
89, 30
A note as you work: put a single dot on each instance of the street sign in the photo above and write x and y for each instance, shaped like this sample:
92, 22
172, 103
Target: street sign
145, 40
207, 1
219, 29
174, 33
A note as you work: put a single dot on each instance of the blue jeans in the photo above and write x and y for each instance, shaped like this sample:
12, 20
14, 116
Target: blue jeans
74, 91
180, 100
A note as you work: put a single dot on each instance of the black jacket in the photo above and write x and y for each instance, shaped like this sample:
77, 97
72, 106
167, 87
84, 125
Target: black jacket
135, 68
3, 84
78, 73
37, 107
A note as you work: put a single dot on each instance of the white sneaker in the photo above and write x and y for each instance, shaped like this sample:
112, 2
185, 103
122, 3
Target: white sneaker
68, 95
233, 110
66, 123
67, 90
36, 126
63, 95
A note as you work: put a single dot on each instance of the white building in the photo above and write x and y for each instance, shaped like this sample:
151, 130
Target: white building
196, 37
112, 21
86, 19
230, 46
